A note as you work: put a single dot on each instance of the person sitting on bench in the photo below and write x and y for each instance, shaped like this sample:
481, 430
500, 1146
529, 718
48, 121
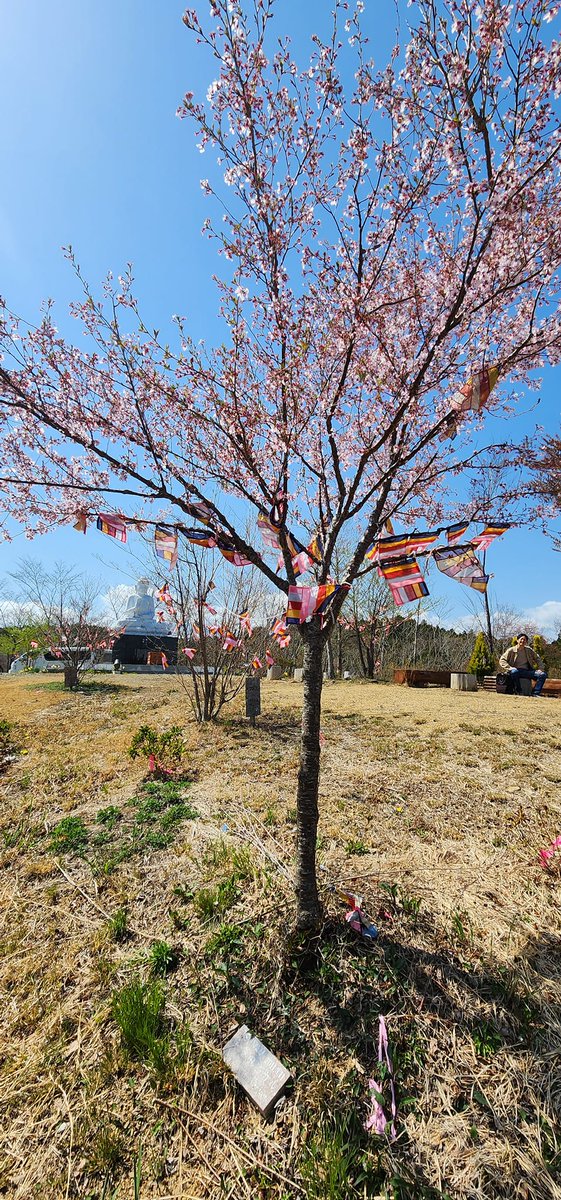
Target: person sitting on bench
521, 662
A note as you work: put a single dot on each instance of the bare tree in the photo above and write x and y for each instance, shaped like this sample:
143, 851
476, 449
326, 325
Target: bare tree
64, 604
220, 622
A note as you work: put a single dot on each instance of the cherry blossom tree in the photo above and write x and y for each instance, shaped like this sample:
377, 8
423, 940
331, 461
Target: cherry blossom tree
544, 463
381, 245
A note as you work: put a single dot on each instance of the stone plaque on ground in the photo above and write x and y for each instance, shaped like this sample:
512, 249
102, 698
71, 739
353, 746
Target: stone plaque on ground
260, 1074
252, 696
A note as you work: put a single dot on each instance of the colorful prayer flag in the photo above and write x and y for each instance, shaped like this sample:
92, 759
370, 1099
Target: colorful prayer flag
268, 531
455, 533
460, 563
256, 663
475, 393
483, 540
245, 622
269, 659
165, 663
81, 524
294, 607
326, 592
199, 537
388, 547
401, 544
277, 515
315, 548
420, 541
403, 575
189, 651
305, 602
301, 562
230, 553
113, 526
230, 642
200, 510
165, 544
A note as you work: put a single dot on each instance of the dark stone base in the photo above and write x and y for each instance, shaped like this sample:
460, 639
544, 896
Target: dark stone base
132, 649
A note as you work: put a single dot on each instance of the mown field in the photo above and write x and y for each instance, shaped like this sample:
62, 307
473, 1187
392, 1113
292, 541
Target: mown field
141, 923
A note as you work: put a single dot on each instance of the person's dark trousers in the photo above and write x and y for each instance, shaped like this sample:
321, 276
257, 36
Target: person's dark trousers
523, 673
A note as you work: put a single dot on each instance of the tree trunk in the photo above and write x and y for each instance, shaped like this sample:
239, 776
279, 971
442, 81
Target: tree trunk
70, 675
309, 908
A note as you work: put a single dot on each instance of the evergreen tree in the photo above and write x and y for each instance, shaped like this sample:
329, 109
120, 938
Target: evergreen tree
482, 661
538, 644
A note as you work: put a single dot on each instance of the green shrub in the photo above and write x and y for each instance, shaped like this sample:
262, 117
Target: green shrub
163, 958
109, 816
163, 751
70, 836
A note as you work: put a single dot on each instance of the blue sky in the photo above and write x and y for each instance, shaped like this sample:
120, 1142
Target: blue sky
93, 155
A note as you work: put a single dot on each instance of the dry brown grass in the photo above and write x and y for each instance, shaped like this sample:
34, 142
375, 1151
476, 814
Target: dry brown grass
434, 804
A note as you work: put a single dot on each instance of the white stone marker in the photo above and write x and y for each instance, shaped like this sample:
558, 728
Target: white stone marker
462, 681
261, 1075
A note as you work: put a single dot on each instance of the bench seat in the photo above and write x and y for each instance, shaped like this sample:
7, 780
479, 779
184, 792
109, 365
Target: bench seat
551, 687
417, 678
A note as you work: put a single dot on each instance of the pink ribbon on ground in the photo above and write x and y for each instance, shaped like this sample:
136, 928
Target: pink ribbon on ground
377, 1119
549, 852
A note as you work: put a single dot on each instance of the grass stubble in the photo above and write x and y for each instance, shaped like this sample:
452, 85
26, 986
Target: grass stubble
141, 924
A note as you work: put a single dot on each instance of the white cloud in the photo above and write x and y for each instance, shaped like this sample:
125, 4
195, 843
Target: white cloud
114, 602
546, 617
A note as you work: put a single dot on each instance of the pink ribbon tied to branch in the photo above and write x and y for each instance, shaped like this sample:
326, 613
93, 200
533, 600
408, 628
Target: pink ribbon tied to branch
377, 1120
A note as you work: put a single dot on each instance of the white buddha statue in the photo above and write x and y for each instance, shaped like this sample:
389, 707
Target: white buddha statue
140, 615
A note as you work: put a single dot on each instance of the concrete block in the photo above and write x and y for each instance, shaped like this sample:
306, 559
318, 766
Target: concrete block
463, 681
260, 1074
274, 672
525, 687
298, 674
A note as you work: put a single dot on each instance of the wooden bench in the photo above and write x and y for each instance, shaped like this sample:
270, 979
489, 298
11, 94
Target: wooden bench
551, 687
415, 678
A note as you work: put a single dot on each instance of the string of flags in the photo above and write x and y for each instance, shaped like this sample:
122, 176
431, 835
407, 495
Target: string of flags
394, 555
397, 564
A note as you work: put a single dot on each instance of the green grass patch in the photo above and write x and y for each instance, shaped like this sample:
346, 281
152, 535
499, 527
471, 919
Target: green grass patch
149, 822
70, 836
